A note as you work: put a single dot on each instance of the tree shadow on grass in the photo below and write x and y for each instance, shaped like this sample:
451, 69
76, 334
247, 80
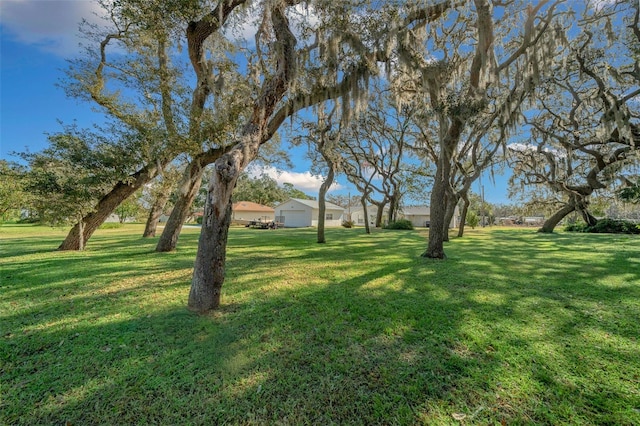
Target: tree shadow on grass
368, 338
316, 358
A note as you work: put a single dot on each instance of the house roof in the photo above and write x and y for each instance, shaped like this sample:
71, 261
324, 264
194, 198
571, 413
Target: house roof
248, 206
416, 210
314, 204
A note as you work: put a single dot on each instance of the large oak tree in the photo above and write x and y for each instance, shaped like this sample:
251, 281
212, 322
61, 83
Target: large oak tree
477, 67
585, 133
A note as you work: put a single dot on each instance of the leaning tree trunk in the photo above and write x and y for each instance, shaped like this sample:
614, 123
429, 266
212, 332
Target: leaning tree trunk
463, 215
120, 192
322, 206
582, 208
189, 187
549, 225
154, 214
588, 217
452, 200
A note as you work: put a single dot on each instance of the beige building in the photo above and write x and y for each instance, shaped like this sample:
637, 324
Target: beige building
421, 216
245, 211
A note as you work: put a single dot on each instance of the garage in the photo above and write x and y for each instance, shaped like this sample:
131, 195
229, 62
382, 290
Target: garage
294, 218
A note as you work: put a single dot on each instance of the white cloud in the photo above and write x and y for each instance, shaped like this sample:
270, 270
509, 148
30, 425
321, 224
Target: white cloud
51, 25
601, 4
298, 16
522, 147
525, 147
304, 181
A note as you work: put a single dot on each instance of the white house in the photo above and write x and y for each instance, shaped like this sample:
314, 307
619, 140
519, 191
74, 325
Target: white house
418, 215
357, 216
421, 216
297, 213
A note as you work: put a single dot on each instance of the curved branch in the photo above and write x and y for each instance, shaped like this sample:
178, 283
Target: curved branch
197, 34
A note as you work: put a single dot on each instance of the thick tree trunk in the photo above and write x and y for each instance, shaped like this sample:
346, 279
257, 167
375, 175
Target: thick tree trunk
106, 206
322, 206
189, 187
463, 215
582, 206
393, 207
438, 208
154, 214
80, 235
549, 225
435, 248
209, 268
380, 214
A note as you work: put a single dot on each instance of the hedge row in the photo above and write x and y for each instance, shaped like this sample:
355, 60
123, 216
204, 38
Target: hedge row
606, 226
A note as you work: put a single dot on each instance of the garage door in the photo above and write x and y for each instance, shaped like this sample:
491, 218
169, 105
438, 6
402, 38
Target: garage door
295, 218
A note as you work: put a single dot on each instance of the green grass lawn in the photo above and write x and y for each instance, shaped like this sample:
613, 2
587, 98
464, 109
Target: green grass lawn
515, 327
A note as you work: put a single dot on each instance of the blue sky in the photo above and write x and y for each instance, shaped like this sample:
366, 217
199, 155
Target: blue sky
36, 38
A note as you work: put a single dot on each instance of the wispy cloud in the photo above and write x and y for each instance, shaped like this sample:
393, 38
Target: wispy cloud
525, 147
304, 181
51, 25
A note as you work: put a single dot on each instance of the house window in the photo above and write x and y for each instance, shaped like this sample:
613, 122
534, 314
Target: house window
328, 216
360, 220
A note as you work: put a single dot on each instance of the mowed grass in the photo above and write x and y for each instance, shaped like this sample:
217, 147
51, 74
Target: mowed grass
515, 327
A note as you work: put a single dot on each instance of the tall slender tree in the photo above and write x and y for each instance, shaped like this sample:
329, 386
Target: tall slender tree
322, 137
158, 193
